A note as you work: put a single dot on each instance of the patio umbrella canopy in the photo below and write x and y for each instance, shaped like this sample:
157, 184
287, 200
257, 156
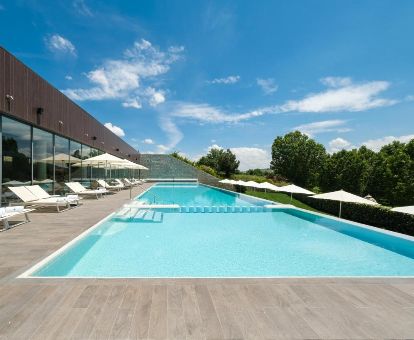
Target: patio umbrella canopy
252, 184
226, 181
343, 196
105, 158
294, 189
405, 210
267, 186
62, 157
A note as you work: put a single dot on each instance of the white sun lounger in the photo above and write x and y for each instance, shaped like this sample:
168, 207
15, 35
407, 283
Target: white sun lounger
124, 185
43, 194
128, 182
7, 213
136, 181
133, 182
104, 184
30, 199
79, 189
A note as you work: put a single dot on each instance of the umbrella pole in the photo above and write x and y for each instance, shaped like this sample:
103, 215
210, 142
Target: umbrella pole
340, 209
291, 197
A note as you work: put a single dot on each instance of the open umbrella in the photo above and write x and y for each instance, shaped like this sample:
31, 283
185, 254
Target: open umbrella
267, 186
294, 189
61, 157
343, 196
226, 181
405, 210
251, 184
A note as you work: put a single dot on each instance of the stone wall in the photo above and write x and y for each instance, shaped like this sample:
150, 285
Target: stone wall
171, 168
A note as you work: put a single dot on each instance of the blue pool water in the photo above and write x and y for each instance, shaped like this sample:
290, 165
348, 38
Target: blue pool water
286, 242
193, 194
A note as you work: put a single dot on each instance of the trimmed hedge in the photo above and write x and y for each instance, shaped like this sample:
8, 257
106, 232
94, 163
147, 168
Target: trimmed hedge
377, 216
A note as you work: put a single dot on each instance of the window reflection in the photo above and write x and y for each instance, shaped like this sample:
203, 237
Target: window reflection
43, 159
75, 168
62, 164
16, 144
56, 159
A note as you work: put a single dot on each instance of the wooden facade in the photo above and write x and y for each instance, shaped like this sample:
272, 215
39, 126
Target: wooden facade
38, 103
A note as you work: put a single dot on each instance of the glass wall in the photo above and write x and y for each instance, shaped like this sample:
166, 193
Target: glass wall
43, 159
34, 156
62, 162
75, 161
16, 161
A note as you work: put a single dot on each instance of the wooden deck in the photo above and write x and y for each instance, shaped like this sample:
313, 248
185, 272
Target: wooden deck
183, 309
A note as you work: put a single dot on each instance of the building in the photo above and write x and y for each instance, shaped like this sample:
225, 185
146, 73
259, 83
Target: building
45, 135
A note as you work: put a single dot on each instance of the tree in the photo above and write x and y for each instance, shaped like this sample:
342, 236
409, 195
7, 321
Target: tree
392, 173
224, 162
348, 170
298, 158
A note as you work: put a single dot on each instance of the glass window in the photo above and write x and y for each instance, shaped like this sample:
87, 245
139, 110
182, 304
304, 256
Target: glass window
16, 144
86, 170
98, 170
61, 164
75, 159
43, 159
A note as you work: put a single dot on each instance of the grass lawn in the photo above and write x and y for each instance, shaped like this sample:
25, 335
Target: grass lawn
280, 198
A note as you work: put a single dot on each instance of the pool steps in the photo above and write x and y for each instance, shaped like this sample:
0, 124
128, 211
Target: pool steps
133, 214
154, 212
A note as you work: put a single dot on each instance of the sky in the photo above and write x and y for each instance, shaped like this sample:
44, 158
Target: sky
190, 75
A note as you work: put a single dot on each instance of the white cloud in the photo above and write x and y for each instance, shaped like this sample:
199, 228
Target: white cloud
174, 135
81, 8
226, 80
148, 141
211, 114
252, 158
155, 97
58, 44
314, 128
68, 77
342, 95
132, 102
336, 81
214, 146
377, 144
339, 144
268, 85
115, 129
125, 78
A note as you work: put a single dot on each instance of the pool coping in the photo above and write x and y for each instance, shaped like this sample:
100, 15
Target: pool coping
27, 274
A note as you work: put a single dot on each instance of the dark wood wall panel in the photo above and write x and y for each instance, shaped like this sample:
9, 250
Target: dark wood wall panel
60, 114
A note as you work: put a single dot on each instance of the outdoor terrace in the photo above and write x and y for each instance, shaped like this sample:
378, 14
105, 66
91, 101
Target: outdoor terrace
183, 308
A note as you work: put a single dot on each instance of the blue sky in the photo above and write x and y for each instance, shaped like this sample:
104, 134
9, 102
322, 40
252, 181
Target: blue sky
188, 75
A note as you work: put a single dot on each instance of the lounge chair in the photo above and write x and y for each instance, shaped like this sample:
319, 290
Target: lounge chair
128, 182
105, 185
30, 199
124, 185
40, 193
8, 213
79, 189
136, 181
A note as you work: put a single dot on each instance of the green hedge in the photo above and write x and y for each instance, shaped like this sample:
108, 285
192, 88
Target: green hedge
377, 216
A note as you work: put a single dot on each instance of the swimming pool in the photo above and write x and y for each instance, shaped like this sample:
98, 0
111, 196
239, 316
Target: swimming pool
283, 242
194, 194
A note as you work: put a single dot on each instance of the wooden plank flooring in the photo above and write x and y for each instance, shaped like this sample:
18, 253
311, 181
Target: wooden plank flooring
183, 308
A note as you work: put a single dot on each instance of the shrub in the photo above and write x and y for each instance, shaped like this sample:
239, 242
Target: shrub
207, 169
377, 216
